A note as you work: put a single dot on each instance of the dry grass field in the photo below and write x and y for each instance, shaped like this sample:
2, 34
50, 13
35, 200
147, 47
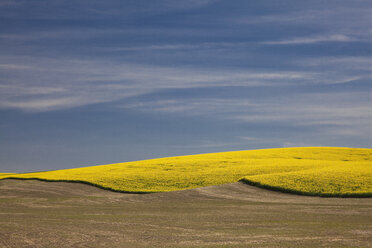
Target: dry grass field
62, 214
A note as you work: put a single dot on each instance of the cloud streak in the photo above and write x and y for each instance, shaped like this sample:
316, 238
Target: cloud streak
350, 113
92, 10
312, 40
29, 83
45, 84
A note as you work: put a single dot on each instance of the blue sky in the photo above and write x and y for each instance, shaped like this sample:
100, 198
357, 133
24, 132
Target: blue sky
95, 82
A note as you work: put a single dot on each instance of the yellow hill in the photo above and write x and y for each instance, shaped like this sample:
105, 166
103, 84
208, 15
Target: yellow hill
323, 171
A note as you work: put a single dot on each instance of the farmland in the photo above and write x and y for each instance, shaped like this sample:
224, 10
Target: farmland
322, 171
62, 214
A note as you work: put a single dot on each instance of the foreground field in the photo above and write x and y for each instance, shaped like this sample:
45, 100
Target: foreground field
59, 214
320, 171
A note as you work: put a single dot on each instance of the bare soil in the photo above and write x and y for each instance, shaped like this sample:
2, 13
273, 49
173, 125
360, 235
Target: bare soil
60, 214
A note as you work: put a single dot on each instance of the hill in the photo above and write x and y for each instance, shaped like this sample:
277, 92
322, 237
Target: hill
323, 171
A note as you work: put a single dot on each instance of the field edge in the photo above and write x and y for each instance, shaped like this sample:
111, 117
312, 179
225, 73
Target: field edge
80, 181
304, 193
242, 180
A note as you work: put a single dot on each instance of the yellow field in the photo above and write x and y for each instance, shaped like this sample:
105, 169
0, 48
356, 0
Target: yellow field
323, 171
6, 174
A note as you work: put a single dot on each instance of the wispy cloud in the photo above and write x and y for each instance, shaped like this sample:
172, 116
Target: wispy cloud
44, 104
61, 34
27, 82
85, 82
14, 67
345, 113
331, 18
312, 40
346, 62
30, 90
83, 9
92, 33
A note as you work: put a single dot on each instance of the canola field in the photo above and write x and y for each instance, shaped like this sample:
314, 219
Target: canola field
322, 171
6, 174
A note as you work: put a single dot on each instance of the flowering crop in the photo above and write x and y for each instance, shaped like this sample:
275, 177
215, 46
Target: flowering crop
323, 171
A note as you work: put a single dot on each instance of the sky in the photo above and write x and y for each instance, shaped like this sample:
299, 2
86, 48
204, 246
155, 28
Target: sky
90, 82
